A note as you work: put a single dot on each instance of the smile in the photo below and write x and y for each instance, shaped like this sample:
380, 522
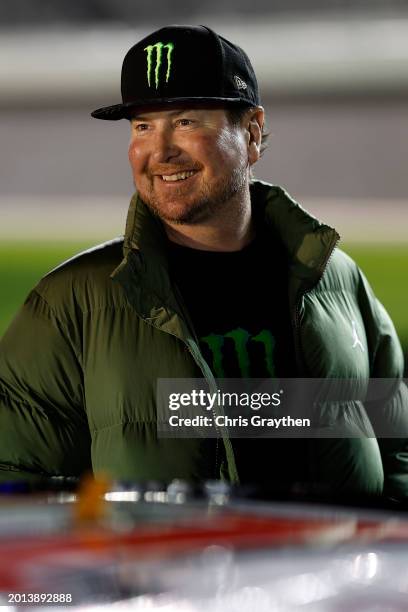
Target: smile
180, 176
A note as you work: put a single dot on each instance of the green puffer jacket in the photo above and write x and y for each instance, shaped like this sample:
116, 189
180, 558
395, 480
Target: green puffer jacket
80, 361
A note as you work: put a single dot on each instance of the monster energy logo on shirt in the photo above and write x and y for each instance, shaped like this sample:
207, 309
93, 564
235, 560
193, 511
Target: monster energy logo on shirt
241, 338
158, 47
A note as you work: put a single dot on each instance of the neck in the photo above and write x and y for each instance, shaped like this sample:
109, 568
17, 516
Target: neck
228, 229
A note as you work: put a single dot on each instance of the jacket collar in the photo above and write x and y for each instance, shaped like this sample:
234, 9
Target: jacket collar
144, 275
308, 242
144, 233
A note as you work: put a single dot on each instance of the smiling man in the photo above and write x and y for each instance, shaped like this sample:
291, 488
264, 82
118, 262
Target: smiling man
190, 166
218, 275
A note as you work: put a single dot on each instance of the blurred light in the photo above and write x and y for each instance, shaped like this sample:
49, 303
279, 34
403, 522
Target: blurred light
217, 492
142, 603
132, 496
219, 499
365, 566
249, 598
156, 496
62, 498
305, 588
177, 491
218, 570
179, 498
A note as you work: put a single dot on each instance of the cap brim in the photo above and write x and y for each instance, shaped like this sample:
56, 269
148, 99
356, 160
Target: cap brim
123, 111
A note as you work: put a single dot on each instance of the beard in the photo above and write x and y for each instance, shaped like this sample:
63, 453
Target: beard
209, 201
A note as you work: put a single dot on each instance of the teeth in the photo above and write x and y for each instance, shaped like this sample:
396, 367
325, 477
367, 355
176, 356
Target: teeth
177, 177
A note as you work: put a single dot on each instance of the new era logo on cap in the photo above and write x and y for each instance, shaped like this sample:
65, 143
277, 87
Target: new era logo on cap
239, 82
183, 64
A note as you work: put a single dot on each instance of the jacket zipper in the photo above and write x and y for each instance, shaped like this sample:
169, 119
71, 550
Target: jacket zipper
203, 373
212, 411
226, 439
186, 315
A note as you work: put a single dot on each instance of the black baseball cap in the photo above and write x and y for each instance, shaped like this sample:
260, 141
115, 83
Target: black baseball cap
178, 64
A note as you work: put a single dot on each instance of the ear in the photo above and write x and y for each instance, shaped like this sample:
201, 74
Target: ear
254, 122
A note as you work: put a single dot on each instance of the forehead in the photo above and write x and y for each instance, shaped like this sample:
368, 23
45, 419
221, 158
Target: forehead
158, 112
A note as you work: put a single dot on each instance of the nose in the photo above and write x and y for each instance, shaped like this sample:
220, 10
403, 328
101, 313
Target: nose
164, 146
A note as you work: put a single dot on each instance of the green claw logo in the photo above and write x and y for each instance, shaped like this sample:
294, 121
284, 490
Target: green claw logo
241, 340
159, 48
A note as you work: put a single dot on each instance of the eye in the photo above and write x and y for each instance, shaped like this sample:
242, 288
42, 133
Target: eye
141, 127
184, 122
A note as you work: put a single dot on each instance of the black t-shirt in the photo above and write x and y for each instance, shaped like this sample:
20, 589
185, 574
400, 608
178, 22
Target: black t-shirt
238, 304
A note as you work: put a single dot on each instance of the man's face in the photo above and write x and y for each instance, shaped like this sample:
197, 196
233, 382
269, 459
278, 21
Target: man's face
187, 163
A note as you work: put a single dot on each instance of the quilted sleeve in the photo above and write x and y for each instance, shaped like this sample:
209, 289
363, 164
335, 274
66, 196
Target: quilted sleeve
389, 416
43, 424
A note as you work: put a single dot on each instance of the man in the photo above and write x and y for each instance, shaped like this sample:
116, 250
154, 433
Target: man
210, 258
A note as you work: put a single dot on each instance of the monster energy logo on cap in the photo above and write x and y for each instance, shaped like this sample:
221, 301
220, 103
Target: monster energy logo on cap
159, 46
